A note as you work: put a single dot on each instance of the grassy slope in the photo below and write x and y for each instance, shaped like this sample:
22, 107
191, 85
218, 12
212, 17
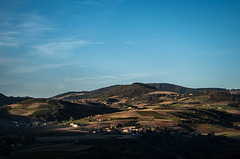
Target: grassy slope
197, 112
50, 110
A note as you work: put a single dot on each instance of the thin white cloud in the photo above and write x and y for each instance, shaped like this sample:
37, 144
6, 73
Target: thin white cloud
15, 28
129, 42
98, 43
3, 83
214, 52
77, 79
125, 76
27, 69
130, 76
5, 24
8, 60
8, 44
91, 2
157, 39
31, 26
24, 23
8, 39
34, 68
56, 47
35, 23
9, 33
107, 78
63, 46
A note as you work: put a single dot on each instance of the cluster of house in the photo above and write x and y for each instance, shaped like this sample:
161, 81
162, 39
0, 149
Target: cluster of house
24, 124
113, 129
19, 124
132, 130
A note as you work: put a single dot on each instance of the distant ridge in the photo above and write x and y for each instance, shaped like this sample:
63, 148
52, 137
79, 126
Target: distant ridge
132, 90
181, 89
4, 100
84, 94
127, 89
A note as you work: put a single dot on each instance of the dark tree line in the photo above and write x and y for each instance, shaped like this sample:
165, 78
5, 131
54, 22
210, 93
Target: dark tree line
233, 99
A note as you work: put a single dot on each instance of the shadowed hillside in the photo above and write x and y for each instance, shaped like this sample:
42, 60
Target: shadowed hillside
132, 90
4, 100
232, 99
83, 94
55, 110
180, 89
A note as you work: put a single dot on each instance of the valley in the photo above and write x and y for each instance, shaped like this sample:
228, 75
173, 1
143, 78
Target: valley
120, 113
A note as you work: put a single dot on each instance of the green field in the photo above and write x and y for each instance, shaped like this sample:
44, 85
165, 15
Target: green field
177, 105
151, 113
203, 99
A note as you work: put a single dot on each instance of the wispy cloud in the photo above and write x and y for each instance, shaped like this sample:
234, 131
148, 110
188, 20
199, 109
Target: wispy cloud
5, 24
8, 44
63, 46
157, 39
214, 52
130, 77
53, 48
124, 76
14, 28
91, 2
27, 69
3, 83
35, 23
34, 68
8, 39
8, 60
129, 42
9, 33
108, 78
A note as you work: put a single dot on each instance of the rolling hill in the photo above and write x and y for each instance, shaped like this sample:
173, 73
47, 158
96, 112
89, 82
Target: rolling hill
127, 90
4, 100
139, 110
55, 110
150, 105
130, 91
183, 90
84, 94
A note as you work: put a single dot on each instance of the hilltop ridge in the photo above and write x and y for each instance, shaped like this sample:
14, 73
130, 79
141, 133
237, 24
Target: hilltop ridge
181, 89
124, 88
4, 100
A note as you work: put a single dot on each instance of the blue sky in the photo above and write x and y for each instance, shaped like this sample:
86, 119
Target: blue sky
49, 47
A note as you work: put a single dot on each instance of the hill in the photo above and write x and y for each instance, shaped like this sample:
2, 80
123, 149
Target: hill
4, 100
84, 94
136, 110
183, 90
131, 90
55, 110
232, 99
145, 108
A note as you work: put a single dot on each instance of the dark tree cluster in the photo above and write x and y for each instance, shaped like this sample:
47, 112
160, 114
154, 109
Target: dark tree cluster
164, 145
233, 99
7, 144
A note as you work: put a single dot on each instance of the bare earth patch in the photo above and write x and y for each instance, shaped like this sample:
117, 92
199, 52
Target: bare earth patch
36, 105
234, 111
162, 92
123, 114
